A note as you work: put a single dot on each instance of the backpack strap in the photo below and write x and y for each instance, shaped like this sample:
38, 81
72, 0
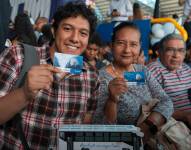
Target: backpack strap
30, 58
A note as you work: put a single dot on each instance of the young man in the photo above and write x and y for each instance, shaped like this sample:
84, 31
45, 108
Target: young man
49, 97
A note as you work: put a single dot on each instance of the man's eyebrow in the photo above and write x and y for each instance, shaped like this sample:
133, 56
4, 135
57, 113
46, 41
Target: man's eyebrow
67, 24
86, 30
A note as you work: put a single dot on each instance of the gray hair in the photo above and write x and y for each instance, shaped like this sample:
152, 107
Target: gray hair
169, 37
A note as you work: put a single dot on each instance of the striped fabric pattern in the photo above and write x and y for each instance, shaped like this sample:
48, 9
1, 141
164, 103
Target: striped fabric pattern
176, 85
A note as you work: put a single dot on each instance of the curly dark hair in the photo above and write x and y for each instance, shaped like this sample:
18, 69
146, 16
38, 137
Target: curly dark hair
74, 9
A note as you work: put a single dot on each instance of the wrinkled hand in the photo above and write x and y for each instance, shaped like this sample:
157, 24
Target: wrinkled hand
38, 77
140, 59
117, 87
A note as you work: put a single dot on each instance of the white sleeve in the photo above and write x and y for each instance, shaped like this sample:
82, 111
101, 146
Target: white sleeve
187, 7
129, 9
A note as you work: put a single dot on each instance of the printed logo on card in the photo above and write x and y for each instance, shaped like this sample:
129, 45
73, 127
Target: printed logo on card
134, 78
68, 63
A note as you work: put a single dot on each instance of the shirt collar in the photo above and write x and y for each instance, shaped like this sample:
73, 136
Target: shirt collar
178, 71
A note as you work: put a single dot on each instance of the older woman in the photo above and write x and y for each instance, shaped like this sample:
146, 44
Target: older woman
120, 102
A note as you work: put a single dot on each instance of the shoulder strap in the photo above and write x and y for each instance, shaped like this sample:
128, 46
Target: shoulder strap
30, 58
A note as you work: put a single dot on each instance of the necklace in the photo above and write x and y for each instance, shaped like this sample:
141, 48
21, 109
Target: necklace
117, 74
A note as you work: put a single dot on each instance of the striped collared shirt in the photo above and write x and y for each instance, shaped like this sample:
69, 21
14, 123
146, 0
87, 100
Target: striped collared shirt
176, 84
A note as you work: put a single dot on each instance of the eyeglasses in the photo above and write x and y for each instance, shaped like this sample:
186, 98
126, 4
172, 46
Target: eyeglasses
122, 43
172, 50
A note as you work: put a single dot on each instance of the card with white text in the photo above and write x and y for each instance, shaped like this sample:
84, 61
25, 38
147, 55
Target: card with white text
68, 63
135, 78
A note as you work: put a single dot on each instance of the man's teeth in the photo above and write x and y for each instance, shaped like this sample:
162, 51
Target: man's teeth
72, 47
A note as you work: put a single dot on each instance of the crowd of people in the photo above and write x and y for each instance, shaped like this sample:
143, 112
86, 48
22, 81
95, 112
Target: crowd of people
100, 94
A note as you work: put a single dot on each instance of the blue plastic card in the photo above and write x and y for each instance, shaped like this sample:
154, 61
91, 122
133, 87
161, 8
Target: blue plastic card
68, 63
135, 78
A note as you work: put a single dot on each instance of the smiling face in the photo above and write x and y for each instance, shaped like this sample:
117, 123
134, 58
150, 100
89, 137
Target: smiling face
72, 35
173, 54
126, 46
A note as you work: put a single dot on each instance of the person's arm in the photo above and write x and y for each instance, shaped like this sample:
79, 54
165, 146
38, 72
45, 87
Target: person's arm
160, 113
38, 77
11, 100
165, 105
11, 104
116, 87
157, 119
180, 115
151, 125
163, 109
111, 110
183, 116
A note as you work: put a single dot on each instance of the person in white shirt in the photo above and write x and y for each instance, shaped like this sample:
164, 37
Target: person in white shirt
120, 10
186, 10
187, 7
